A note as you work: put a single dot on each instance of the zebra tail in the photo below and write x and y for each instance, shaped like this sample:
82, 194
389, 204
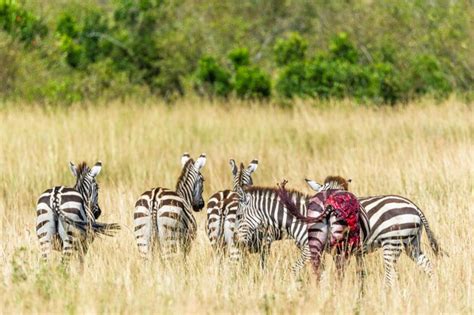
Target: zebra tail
290, 205
432, 239
107, 229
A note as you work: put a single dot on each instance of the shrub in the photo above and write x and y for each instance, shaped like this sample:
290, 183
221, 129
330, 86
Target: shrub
427, 76
252, 82
291, 49
212, 79
239, 57
292, 80
21, 23
342, 48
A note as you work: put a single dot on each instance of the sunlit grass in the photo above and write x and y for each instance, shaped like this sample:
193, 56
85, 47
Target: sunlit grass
423, 151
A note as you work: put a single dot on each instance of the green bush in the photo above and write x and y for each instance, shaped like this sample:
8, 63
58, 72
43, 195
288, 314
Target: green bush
21, 23
252, 82
427, 76
158, 47
291, 49
292, 80
239, 57
212, 79
342, 48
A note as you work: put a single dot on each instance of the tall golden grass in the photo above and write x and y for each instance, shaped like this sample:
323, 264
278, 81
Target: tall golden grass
423, 151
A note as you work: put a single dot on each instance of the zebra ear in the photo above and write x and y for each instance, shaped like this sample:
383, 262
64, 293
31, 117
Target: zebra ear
73, 169
233, 166
95, 170
185, 158
200, 162
252, 166
313, 185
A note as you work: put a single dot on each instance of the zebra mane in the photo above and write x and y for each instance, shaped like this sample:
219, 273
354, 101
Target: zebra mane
241, 174
83, 170
184, 173
336, 182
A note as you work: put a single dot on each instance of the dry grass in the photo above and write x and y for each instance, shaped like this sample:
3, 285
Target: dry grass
421, 151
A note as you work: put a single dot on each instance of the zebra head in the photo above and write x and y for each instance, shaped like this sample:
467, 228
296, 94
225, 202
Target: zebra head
191, 181
242, 177
331, 182
87, 186
249, 219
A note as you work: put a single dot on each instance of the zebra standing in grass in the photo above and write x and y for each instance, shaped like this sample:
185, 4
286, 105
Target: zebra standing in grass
222, 209
261, 206
163, 217
393, 223
222, 215
66, 217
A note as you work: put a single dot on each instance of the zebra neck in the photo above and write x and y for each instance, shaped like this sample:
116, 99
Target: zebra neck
85, 199
184, 188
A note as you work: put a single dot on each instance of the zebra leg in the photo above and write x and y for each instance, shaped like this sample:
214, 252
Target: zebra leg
67, 237
169, 241
143, 229
391, 253
229, 239
83, 249
340, 261
361, 274
264, 253
317, 237
413, 251
45, 229
299, 264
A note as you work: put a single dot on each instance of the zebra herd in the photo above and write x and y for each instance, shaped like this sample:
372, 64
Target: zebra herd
247, 218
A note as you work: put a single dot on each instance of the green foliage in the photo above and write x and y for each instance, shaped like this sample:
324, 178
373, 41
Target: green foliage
252, 82
291, 49
21, 23
249, 81
239, 57
212, 79
292, 80
159, 47
427, 76
342, 48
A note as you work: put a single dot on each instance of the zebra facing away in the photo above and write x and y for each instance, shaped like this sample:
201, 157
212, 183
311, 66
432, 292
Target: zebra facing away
222, 208
163, 218
66, 217
393, 223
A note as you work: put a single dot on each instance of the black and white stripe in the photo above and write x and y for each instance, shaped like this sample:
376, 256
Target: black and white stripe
393, 223
163, 218
66, 217
222, 210
261, 207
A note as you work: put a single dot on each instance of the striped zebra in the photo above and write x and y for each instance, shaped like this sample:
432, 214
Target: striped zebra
66, 217
221, 218
222, 209
393, 223
163, 218
261, 206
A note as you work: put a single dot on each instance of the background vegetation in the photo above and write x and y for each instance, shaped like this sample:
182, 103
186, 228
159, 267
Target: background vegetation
421, 151
371, 51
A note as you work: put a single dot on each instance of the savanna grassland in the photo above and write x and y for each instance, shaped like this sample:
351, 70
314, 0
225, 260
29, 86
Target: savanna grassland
422, 150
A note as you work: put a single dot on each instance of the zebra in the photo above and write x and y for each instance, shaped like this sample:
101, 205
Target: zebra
222, 208
261, 206
222, 214
66, 217
163, 217
393, 223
